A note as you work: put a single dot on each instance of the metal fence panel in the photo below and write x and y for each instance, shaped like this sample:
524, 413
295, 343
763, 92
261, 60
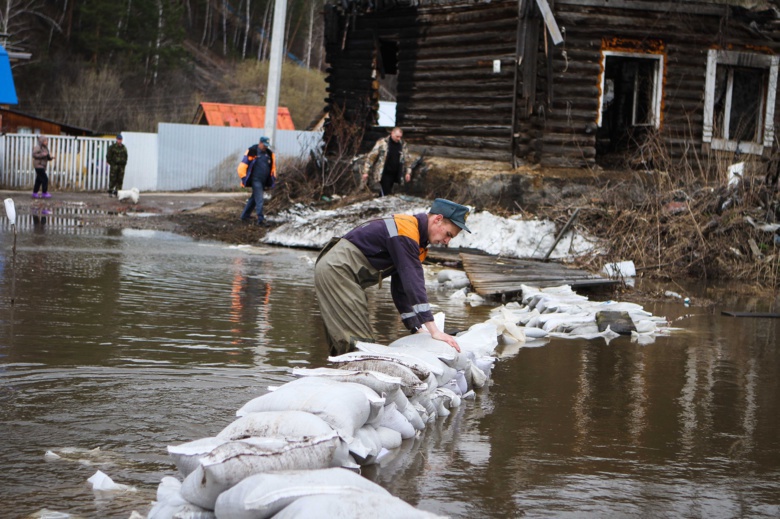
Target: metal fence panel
141, 169
196, 156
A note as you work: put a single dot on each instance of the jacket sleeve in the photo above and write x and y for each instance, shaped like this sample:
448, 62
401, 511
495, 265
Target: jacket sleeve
406, 159
243, 169
407, 285
372, 157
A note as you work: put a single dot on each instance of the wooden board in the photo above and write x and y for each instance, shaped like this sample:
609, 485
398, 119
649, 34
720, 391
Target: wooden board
493, 276
751, 314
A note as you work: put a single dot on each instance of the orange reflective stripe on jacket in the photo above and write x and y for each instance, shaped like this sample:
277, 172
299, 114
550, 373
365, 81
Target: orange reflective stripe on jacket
406, 225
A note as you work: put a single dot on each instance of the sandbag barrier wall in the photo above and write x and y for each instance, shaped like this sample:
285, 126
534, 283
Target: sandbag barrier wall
288, 451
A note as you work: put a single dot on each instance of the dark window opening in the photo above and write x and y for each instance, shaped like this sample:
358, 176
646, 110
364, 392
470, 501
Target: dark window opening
739, 103
628, 103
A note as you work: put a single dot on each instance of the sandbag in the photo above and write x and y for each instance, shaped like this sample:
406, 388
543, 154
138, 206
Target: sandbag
263, 495
366, 445
171, 505
419, 367
430, 360
342, 405
390, 439
276, 424
187, 455
394, 420
375, 380
352, 505
411, 384
233, 461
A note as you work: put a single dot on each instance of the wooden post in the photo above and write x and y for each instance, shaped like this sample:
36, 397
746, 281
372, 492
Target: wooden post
560, 234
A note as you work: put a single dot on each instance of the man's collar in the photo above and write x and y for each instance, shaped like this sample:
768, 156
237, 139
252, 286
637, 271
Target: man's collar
422, 219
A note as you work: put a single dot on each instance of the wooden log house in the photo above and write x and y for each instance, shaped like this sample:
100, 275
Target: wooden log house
562, 83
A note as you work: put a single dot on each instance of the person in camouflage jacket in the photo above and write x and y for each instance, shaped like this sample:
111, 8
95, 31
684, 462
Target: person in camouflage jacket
388, 163
117, 159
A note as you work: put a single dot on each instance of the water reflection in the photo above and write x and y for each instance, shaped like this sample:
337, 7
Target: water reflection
133, 340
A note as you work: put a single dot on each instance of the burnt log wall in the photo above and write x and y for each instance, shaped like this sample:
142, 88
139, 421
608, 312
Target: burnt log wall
451, 103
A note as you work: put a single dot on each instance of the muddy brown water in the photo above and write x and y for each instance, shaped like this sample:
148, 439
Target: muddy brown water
123, 342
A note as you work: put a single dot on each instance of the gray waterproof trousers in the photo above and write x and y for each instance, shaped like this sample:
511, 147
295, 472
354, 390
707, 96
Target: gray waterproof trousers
341, 275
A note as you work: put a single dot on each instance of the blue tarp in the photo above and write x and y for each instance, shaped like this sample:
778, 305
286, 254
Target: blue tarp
7, 88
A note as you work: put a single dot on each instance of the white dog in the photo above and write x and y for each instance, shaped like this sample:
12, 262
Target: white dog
132, 194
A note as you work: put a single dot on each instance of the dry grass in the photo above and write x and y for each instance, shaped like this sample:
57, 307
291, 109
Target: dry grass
689, 222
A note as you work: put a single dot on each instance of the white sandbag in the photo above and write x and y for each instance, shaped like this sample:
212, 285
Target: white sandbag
366, 445
449, 399
102, 482
424, 342
342, 405
408, 357
477, 378
421, 369
399, 398
171, 505
275, 424
187, 455
411, 414
410, 383
390, 438
453, 278
353, 505
375, 380
263, 495
233, 461
394, 420
453, 386
485, 364
534, 333
421, 411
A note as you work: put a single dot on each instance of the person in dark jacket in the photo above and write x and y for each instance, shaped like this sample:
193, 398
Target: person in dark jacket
41, 159
393, 246
388, 163
117, 160
257, 170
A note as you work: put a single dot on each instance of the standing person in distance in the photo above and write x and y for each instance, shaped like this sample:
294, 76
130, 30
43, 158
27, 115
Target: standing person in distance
41, 159
117, 159
388, 163
257, 170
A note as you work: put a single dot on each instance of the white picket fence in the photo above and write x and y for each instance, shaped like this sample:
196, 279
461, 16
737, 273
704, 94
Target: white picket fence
179, 157
79, 162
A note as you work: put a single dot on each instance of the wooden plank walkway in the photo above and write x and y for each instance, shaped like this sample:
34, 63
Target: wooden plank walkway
493, 276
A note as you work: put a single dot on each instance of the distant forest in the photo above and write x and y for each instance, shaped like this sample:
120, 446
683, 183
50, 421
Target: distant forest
129, 64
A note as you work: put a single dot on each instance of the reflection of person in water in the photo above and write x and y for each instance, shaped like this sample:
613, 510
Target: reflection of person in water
39, 221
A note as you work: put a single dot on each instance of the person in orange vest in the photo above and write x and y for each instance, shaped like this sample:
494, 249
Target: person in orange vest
257, 170
393, 246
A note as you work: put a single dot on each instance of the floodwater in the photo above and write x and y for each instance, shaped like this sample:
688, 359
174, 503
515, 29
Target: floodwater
121, 343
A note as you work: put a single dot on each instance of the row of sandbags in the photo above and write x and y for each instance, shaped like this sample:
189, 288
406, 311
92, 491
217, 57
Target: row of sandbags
296, 450
560, 312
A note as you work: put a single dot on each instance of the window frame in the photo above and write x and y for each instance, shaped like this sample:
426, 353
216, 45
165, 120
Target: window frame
658, 87
766, 62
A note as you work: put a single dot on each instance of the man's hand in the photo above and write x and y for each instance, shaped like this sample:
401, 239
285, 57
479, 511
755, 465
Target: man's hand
440, 335
408, 178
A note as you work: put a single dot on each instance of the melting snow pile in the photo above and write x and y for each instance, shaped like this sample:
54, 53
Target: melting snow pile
288, 452
306, 226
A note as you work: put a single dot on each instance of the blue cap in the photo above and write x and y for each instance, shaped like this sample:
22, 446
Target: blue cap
455, 213
265, 140
119, 137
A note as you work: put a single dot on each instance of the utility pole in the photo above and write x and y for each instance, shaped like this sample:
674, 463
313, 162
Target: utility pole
275, 70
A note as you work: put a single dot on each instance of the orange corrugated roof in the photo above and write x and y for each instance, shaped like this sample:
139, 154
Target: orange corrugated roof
244, 116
